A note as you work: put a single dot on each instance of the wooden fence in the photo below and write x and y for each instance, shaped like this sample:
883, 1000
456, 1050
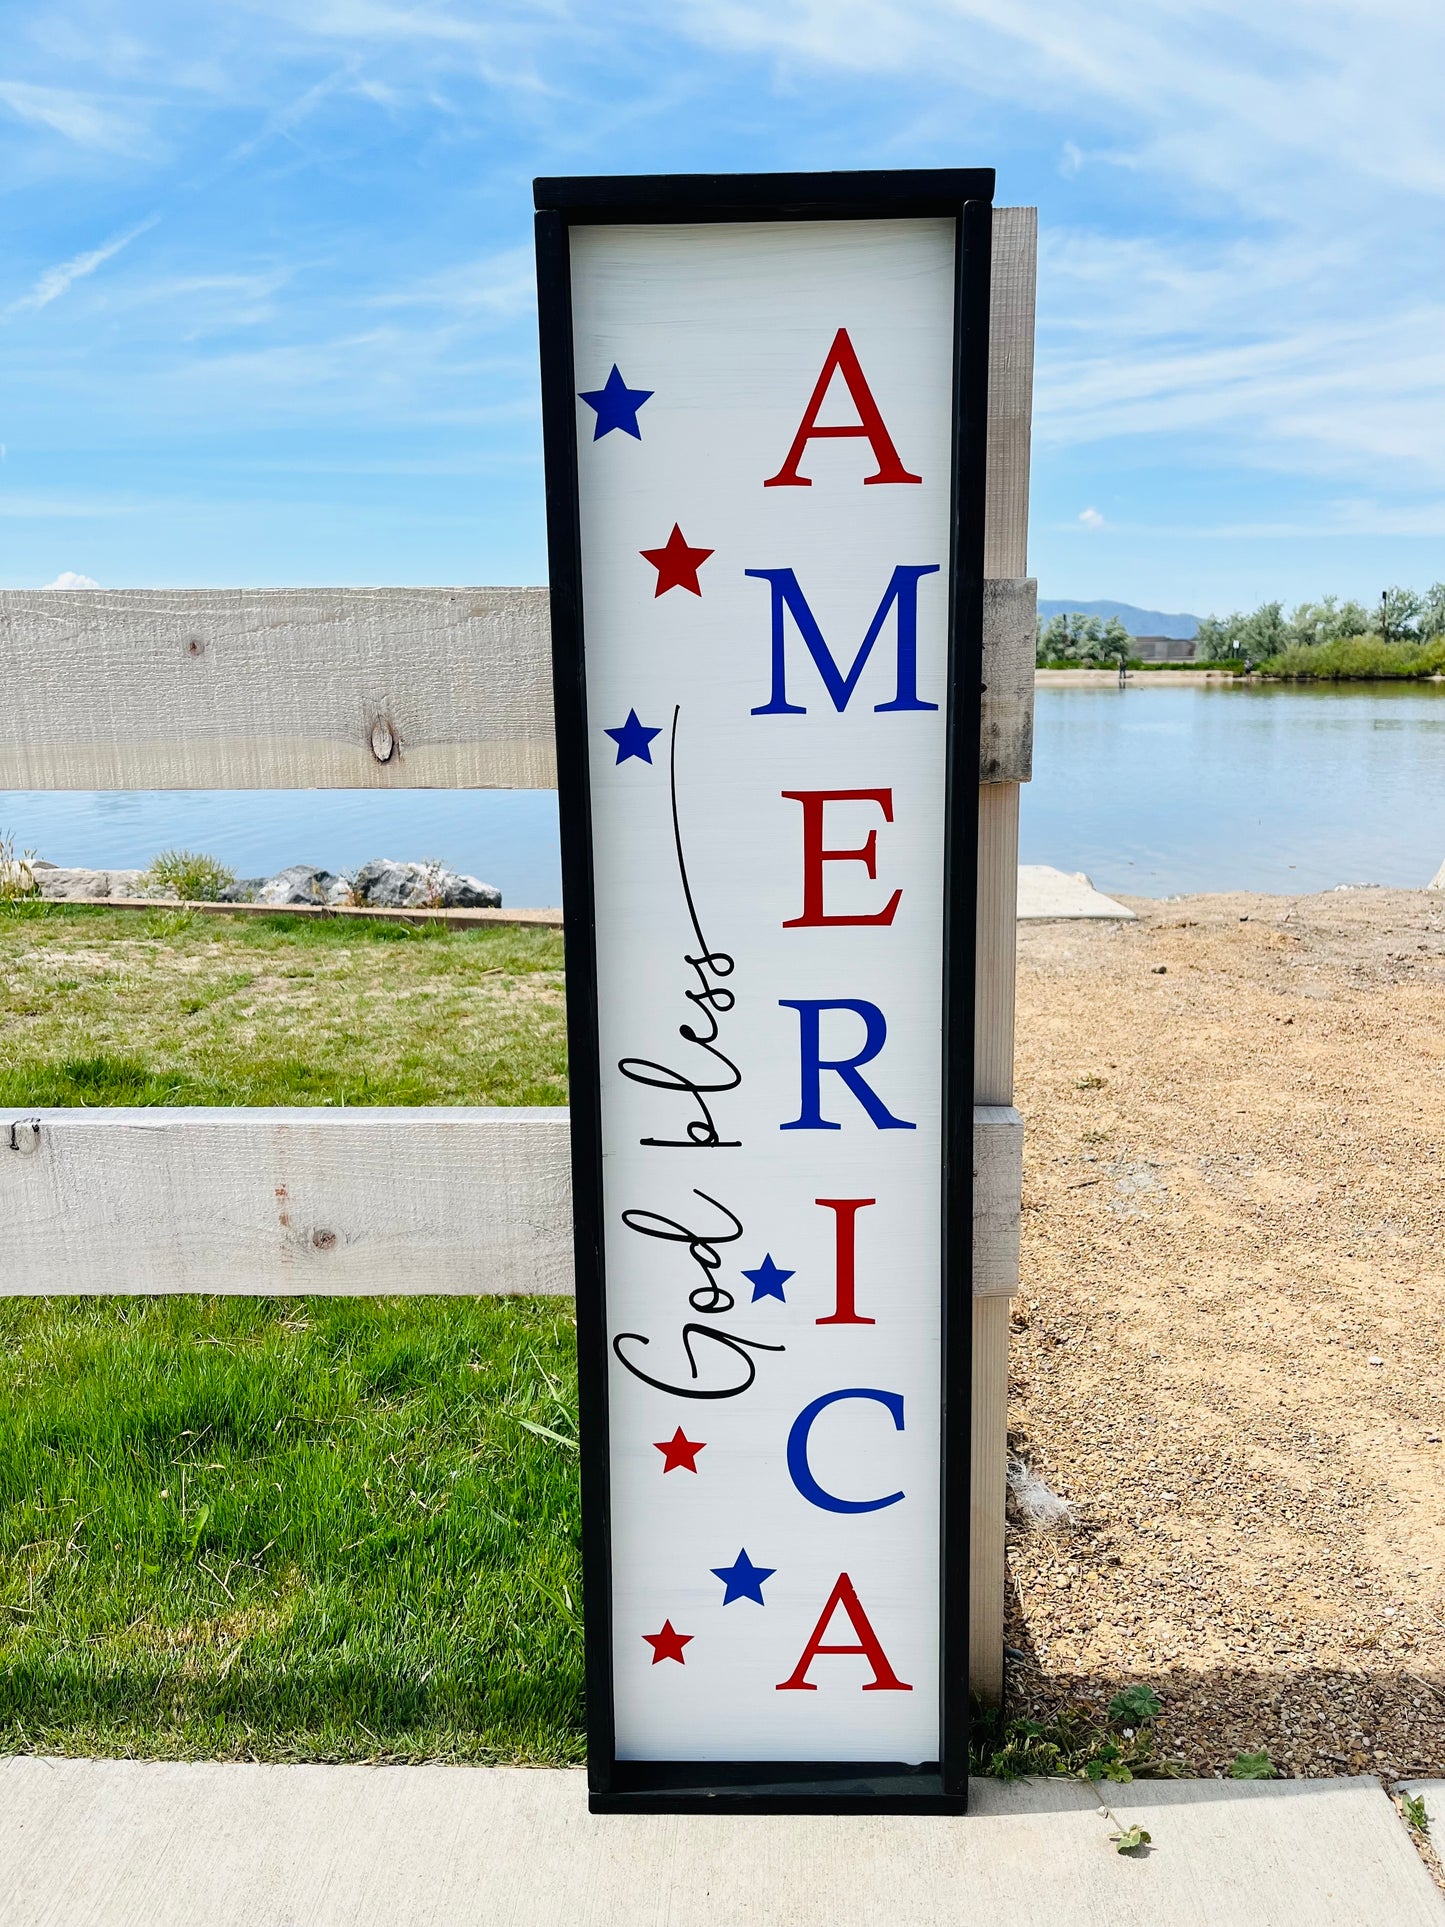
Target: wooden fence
428, 689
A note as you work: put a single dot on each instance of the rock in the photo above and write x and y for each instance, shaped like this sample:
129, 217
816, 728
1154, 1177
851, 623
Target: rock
461, 892
89, 886
386, 885
302, 883
243, 890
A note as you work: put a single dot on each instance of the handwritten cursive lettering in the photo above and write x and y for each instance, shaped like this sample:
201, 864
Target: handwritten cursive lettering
739, 1346
711, 999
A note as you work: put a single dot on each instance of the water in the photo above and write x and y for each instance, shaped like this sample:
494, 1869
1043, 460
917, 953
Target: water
1153, 791
505, 837
1277, 788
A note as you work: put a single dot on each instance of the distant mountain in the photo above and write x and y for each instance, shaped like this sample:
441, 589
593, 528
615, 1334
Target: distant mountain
1139, 622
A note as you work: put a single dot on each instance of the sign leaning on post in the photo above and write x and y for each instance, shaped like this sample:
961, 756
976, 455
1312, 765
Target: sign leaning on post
764, 402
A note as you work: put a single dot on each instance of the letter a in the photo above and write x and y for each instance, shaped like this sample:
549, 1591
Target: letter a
842, 360
884, 1679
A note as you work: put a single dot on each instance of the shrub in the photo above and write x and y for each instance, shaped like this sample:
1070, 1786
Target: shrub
1359, 659
1267, 633
17, 879
187, 874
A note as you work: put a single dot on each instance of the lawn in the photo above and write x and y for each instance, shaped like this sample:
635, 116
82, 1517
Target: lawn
290, 1529
285, 1528
170, 1007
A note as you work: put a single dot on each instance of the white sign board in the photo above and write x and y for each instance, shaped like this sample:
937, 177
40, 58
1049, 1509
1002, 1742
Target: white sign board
765, 429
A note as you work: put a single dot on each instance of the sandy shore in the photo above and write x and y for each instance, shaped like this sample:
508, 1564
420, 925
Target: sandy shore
1228, 1350
1138, 678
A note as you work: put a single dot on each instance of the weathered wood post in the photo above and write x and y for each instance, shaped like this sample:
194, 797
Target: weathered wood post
1011, 373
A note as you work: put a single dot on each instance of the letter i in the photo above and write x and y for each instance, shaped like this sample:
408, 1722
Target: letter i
846, 1211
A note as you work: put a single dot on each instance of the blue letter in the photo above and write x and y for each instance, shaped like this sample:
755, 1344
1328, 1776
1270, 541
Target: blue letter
813, 1066
902, 589
801, 1472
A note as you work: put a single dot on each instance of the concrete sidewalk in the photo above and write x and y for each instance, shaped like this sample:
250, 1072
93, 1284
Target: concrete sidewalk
87, 1843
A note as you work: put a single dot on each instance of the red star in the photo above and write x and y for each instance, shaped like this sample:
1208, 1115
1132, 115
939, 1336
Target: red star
679, 1450
668, 1644
676, 564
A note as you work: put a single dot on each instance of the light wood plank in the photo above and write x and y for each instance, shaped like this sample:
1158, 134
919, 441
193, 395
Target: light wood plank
1010, 416
995, 959
328, 689
993, 1085
1006, 740
276, 689
1010, 390
998, 1166
349, 1202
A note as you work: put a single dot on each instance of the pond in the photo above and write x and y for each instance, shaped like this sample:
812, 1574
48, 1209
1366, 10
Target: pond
1158, 791
1152, 791
506, 837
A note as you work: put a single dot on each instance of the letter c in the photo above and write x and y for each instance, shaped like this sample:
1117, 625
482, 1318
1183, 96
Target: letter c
801, 1472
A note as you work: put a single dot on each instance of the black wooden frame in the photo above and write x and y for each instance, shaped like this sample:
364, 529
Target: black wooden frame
965, 195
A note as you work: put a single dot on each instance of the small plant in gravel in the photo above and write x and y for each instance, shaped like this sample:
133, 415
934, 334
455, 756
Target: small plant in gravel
1074, 1744
1253, 1766
189, 875
1412, 1805
1135, 1706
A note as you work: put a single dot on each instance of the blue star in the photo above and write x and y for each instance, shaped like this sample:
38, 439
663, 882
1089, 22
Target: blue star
768, 1280
633, 739
743, 1580
616, 405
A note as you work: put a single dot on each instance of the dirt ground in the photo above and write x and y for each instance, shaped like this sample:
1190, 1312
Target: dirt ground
1227, 1353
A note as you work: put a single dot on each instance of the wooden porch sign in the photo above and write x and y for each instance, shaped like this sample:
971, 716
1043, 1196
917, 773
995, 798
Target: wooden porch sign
764, 402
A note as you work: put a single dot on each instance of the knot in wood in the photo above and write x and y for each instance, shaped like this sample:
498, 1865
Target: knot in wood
383, 740
194, 646
25, 1136
324, 1240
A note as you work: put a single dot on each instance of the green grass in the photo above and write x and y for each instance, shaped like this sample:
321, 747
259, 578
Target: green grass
122, 1007
320, 1529
287, 1529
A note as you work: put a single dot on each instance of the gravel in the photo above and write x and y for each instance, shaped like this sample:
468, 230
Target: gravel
1227, 1351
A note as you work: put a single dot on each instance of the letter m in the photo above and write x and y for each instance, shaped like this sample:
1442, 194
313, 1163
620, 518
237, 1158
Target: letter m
788, 598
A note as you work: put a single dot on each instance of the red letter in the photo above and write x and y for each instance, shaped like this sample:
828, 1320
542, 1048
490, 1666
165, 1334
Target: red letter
843, 360
847, 1210
815, 856
884, 1679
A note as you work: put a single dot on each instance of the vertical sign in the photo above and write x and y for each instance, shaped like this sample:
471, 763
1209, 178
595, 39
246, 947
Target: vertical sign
764, 403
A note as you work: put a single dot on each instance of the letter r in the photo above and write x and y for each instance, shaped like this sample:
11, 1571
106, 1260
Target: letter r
812, 1063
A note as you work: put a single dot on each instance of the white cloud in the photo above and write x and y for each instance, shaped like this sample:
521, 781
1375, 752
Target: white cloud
78, 117
500, 51
504, 285
58, 280
1091, 518
1273, 296
68, 579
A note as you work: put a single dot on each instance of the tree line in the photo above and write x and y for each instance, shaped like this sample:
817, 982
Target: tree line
1400, 616
1400, 635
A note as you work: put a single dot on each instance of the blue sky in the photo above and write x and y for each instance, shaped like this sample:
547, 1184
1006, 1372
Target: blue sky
266, 309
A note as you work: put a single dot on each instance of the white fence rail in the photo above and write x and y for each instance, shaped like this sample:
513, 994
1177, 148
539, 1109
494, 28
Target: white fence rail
356, 1203
137, 689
